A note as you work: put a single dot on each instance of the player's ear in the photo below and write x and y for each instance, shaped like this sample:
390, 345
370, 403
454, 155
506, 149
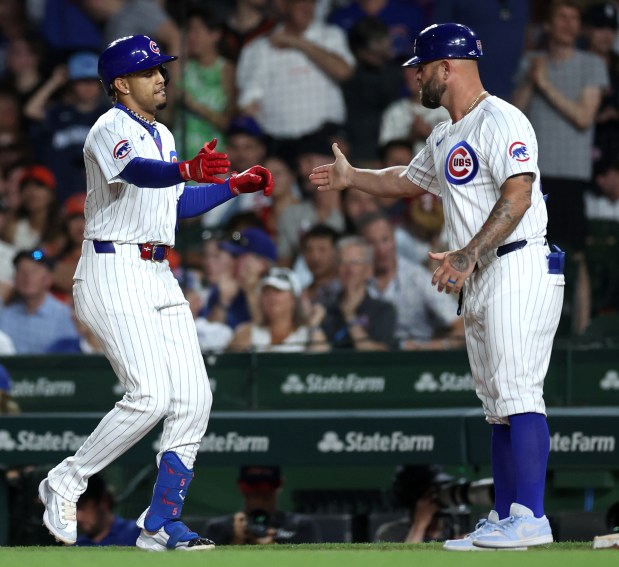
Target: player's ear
120, 85
445, 68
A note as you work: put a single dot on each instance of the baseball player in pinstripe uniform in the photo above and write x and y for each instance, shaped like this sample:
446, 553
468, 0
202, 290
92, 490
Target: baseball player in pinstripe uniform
483, 163
125, 292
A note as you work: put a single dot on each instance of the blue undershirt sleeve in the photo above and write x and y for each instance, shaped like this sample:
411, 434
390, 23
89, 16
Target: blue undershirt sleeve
143, 172
198, 199
195, 200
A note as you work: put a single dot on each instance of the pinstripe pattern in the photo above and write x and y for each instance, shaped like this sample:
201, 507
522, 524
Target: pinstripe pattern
138, 312
118, 211
512, 305
135, 308
489, 130
511, 313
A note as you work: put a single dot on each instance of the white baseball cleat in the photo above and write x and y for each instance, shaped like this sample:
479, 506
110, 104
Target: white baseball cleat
172, 536
60, 516
522, 528
484, 526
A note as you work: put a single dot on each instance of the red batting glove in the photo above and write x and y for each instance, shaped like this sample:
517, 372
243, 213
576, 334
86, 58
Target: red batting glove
256, 178
206, 165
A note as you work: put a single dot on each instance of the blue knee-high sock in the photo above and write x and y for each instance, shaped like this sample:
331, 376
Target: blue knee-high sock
530, 447
502, 469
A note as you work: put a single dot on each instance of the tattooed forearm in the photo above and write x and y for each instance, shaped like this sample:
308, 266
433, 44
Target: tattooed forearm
504, 217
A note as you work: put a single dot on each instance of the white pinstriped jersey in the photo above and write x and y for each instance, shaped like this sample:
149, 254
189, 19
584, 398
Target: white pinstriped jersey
466, 164
116, 210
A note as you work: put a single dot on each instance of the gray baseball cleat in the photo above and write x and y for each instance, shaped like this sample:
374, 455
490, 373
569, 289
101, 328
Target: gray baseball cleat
60, 516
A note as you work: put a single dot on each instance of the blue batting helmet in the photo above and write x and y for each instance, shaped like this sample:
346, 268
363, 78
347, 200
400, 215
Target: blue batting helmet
128, 55
445, 41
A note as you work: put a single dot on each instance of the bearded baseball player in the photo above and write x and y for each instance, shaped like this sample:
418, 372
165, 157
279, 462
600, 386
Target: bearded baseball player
126, 294
483, 164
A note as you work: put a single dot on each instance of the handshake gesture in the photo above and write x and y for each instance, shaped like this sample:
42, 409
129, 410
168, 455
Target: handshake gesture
209, 163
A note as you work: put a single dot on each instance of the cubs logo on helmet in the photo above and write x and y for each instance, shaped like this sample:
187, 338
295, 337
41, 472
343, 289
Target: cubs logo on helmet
122, 149
154, 47
519, 151
461, 164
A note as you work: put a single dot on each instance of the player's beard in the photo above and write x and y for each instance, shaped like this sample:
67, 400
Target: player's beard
162, 105
431, 93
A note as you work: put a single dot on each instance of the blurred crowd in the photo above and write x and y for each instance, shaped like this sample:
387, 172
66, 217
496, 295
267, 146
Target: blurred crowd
277, 82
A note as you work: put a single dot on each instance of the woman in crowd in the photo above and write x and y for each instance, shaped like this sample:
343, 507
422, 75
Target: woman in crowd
283, 326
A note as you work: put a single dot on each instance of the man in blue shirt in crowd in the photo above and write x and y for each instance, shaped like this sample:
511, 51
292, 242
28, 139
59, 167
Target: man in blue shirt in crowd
96, 522
33, 318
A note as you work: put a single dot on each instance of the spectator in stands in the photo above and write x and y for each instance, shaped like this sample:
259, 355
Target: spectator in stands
7, 251
285, 192
97, 523
260, 521
217, 273
246, 146
85, 342
413, 490
600, 29
290, 80
604, 204
406, 118
13, 24
32, 317
282, 325
24, 65
425, 319
13, 145
602, 247
357, 204
321, 207
249, 20
404, 20
37, 221
7, 348
319, 249
66, 261
61, 127
560, 89
375, 83
424, 221
8, 406
501, 27
11, 194
355, 319
68, 27
235, 300
121, 18
207, 92
395, 152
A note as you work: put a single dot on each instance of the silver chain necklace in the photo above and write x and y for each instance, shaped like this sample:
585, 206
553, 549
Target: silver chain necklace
152, 123
482, 93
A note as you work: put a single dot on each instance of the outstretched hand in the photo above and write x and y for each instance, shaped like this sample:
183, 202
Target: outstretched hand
333, 176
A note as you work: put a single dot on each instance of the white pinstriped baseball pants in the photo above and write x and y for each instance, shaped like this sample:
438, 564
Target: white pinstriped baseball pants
138, 312
511, 312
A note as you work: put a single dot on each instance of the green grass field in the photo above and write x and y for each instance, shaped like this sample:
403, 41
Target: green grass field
319, 555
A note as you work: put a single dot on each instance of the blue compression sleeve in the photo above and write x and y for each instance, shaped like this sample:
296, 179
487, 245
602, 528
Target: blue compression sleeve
144, 172
197, 199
